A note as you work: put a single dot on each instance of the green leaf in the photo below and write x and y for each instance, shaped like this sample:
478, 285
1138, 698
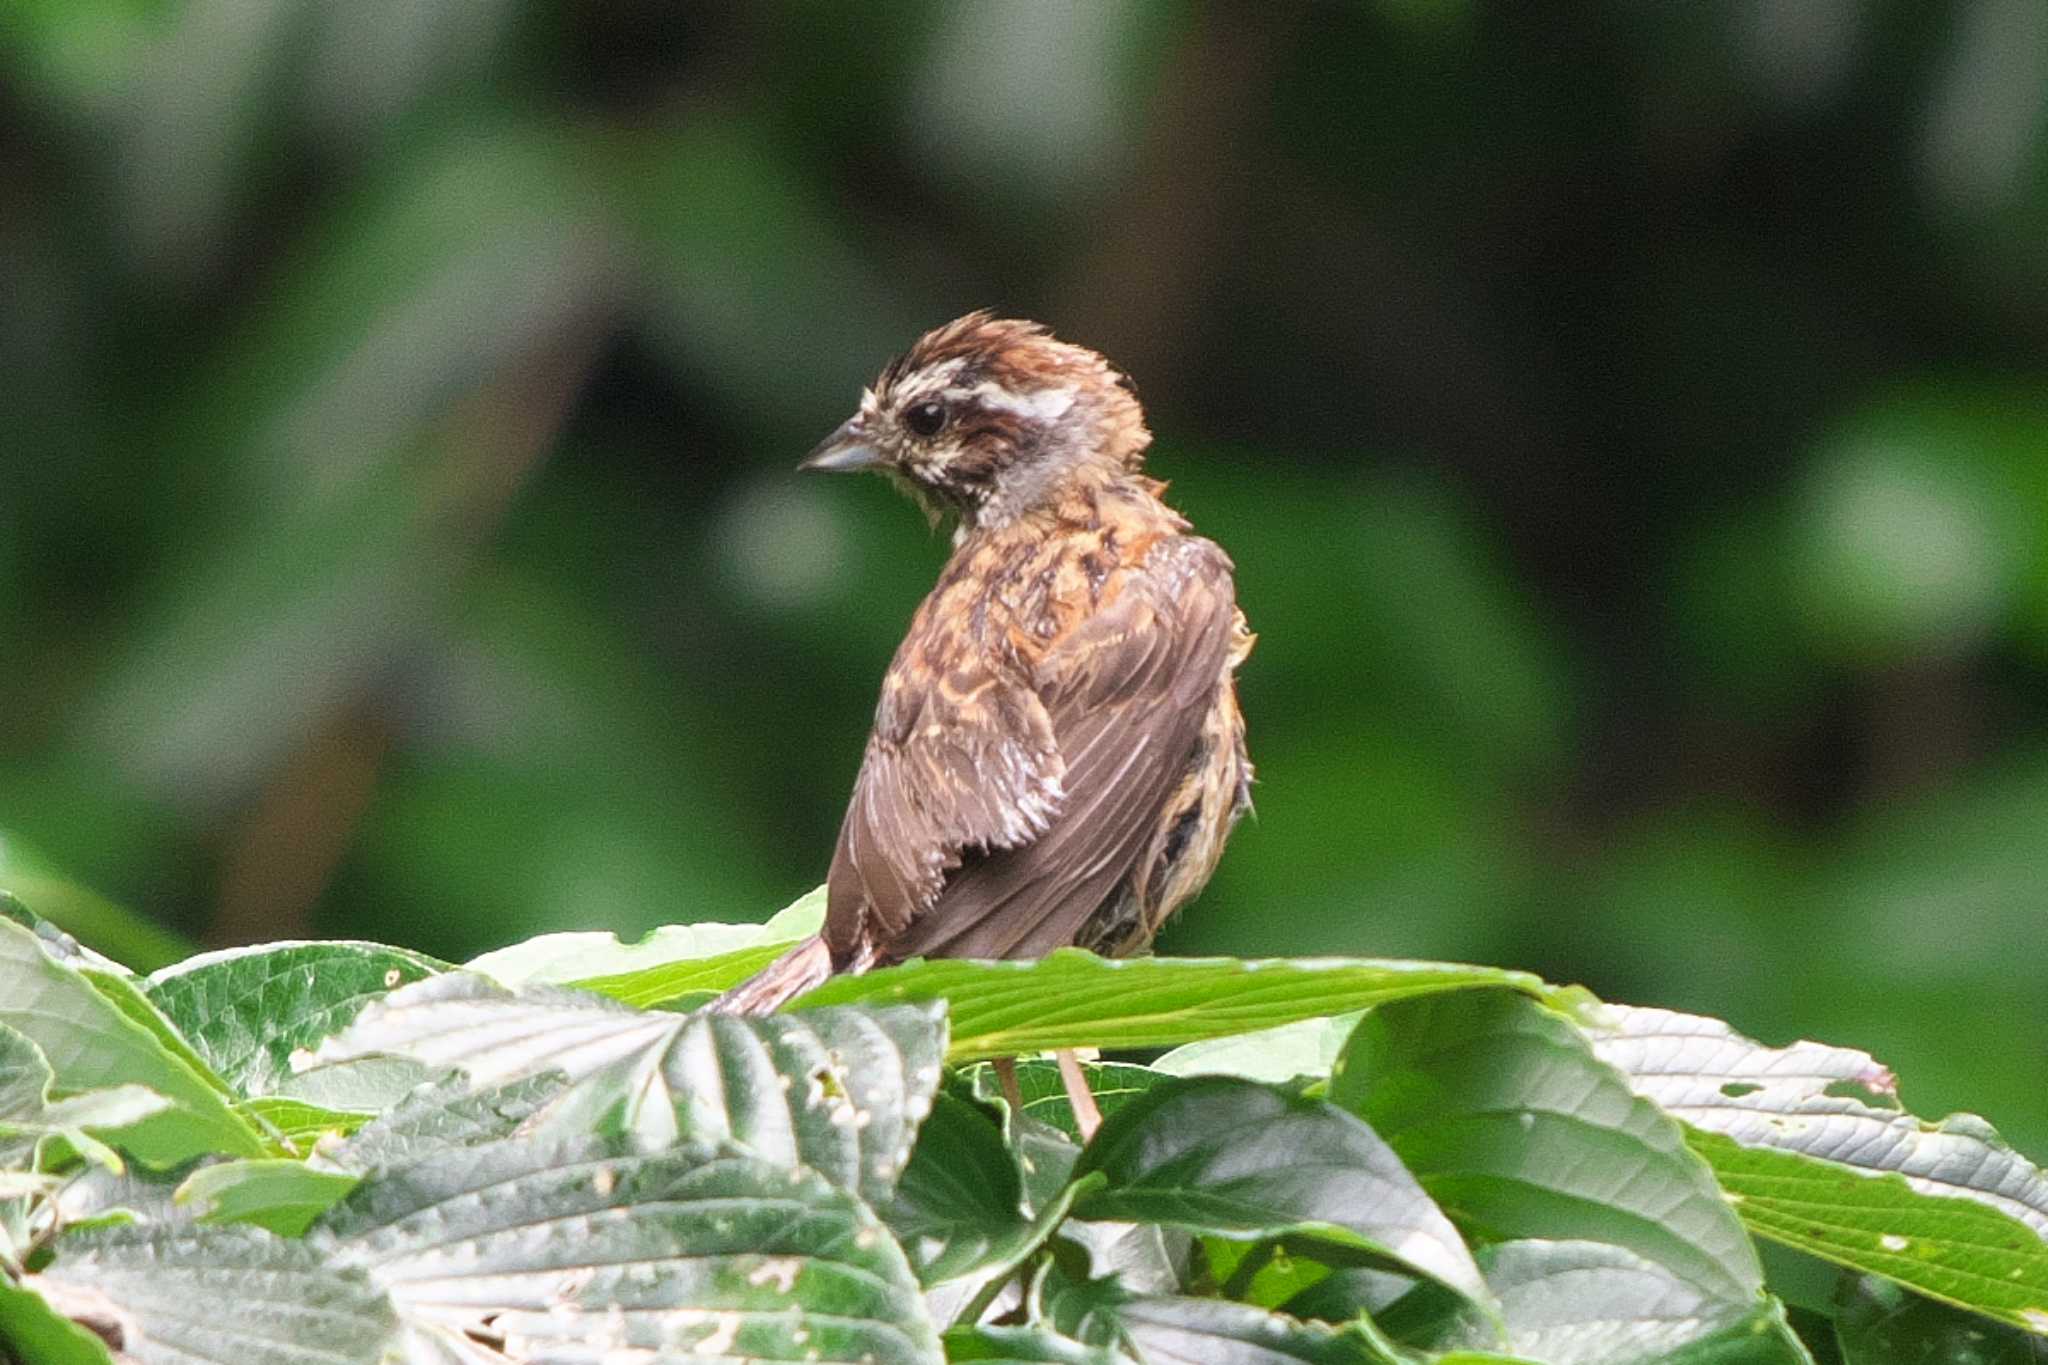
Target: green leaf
1810, 1161
91, 1044
1309, 1047
34, 1332
1024, 1346
959, 1206
1045, 1094
247, 1010
685, 982
585, 957
1236, 1159
1072, 998
28, 1115
671, 962
709, 964
841, 1091
574, 1248
446, 1113
299, 1126
1950, 1249
1501, 1109
1172, 1330
226, 1296
60, 946
365, 1085
1878, 1323
1590, 1303
272, 1192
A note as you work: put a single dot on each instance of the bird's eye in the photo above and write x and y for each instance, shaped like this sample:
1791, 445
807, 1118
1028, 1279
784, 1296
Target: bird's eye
925, 418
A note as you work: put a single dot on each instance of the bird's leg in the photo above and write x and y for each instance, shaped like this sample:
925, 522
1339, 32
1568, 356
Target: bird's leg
1006, 1076
1087, 1117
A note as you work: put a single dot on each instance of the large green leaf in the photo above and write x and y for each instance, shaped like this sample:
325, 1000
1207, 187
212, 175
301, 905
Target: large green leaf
840, 1090
247, 1010
1590, 1303
1813, 1153
1174, 1330
227, 1296
1237, 1159
90, 1043
1076, 999
563, 1250
1951, 1249
1518, 1130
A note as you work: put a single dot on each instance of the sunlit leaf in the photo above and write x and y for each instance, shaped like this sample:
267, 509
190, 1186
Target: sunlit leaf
1076, 999
1810, 1158
1512, 1124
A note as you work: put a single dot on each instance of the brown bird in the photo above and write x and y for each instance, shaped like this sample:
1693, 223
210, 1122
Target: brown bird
1057, 755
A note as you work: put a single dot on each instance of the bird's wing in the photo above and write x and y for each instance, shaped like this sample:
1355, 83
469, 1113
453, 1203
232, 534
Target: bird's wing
961, 758
1127, 690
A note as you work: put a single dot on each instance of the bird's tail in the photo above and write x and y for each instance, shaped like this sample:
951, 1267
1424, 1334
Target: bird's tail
796, 971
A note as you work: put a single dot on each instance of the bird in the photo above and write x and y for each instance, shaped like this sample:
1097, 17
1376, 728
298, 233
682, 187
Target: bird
1058, 755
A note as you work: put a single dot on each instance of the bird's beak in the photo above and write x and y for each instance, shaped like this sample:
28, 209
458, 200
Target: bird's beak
845, 449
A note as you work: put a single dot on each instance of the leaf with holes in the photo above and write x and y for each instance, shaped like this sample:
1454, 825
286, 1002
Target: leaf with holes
1810, 1160
441, 1115
842, 1090
225, 1296
566, 1250
247, 1010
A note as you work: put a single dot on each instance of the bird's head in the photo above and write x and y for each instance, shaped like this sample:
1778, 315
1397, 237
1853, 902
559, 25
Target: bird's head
989, 417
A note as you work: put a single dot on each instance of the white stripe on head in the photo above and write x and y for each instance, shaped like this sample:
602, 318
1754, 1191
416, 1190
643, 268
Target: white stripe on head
1044, 405
926, 382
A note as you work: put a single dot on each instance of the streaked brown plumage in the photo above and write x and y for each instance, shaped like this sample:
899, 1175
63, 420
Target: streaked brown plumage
1057, 755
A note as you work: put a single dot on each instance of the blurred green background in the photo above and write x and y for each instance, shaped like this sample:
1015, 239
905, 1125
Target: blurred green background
1630, 423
